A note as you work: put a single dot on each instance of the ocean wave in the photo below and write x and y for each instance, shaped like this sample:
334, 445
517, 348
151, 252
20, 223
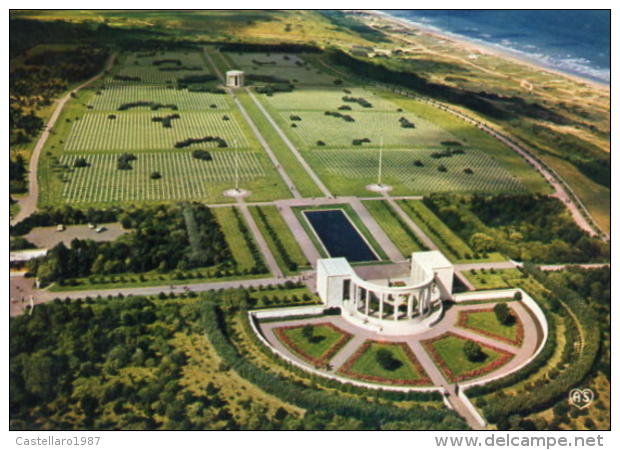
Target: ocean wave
566, 63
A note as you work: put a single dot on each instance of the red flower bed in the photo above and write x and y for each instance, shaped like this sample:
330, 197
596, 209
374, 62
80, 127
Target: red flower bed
423, 380
518, 341
503, 358
325, 357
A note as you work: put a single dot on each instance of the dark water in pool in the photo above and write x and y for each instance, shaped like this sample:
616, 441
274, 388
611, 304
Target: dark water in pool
339, 236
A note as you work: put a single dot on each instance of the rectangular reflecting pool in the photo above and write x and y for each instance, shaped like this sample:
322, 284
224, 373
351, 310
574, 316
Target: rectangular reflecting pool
339, 236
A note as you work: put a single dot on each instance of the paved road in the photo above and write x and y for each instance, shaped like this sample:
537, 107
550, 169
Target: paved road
28, 203
260, 240
42, 296
261, 139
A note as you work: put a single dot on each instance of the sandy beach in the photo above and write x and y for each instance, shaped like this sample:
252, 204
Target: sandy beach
476, 47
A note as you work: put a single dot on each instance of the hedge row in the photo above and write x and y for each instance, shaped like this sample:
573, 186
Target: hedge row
371, 414
579, 363
259, 264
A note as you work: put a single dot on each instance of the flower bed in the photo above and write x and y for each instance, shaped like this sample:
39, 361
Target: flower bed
321, 361
502, 359
422, 380
517, 341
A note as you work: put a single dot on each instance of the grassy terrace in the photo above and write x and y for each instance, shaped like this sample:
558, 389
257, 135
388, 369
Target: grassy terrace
234, 238
495, 279
316, 346
366, 366
398, 232
447, 241
288, 248
487, 322
450, 357
355, 219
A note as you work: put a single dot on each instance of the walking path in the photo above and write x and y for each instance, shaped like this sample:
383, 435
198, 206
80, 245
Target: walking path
261, 139
428, 242
448, 323
302, 238
376, 231
28, 203
291, 147
43, 296
260, 240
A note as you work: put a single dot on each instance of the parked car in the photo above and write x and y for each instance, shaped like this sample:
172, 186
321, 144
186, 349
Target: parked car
60, 227
91, 225
101, 229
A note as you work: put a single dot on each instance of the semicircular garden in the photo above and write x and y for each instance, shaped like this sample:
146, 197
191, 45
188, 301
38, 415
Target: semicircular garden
473, 342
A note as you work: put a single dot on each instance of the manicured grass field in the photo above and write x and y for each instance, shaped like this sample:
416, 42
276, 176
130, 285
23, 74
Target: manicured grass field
447, 241
475, 138
137, 131
367, 364
450, 350
324, 337
234, 238
328, 99
498, 279
182, 176
288, 241
111, 98
135, 65
335, 132
283, 69
347, 171
487, 321
396, 231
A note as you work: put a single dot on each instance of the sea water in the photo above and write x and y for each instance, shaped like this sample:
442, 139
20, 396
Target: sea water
576, 42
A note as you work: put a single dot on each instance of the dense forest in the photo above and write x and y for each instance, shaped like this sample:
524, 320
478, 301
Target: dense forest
163, 238
140, 363
524, 227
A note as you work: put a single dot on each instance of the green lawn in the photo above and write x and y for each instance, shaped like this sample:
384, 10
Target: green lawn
397, 231
367, 364
448, 242
497, 279
450, 350
324, 337
473, 137
84, 130
234, 238
288, 241
487, 321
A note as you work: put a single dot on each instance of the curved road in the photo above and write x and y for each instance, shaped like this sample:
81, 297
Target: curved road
560, 188
28, 203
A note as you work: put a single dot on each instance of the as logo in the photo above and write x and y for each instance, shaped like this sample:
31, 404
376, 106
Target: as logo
580, 398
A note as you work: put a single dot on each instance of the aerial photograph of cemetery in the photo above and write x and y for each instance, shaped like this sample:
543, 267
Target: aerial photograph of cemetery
308, 220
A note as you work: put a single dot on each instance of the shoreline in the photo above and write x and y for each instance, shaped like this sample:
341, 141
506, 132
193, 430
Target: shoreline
488, 48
